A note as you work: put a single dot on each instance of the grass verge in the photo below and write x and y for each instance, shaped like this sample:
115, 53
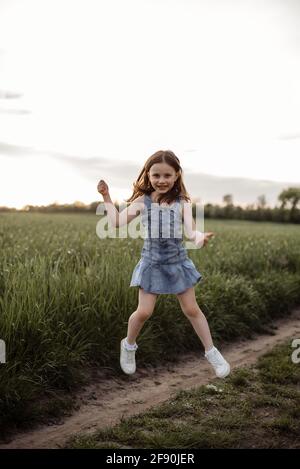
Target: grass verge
255, 407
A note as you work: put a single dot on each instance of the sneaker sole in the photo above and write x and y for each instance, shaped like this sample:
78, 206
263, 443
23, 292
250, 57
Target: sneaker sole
226, 373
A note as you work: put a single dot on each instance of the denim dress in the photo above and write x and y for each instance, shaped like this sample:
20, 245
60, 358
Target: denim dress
164, 266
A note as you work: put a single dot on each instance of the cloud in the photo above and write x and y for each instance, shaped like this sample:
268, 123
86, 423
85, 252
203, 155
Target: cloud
15, 150
294, 136
208, 188
211, 188
10, 95
15, 111
92, 168
121, 174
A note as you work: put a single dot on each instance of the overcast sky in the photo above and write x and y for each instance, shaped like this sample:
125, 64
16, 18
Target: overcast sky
90, 88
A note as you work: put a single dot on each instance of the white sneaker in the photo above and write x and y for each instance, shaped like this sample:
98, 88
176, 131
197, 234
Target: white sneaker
127, 359
221, 366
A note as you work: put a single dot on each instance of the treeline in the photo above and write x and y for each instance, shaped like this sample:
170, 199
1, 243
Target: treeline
76, 207
286, 212
276, 214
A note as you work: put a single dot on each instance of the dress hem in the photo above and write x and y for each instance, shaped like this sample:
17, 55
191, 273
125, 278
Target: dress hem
167, 292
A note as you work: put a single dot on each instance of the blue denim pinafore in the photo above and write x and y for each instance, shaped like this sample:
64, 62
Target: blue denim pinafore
164, 266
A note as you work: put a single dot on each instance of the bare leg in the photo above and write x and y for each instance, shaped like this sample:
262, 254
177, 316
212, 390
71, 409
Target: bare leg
192, 311
144, 311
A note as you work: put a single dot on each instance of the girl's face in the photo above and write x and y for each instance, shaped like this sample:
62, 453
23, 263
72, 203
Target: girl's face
162, 177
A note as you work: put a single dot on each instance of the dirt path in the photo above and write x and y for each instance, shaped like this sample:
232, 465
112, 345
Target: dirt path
105, 403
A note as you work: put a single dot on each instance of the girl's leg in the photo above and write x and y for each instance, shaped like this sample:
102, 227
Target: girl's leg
192, 311
144, 311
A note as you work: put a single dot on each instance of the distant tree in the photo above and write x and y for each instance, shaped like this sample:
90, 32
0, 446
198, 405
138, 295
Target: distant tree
93, 206
79, 204
261, 201
290, 196
228, 199
228, 210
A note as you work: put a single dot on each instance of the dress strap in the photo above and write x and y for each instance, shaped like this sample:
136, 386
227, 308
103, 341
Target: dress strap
148, 200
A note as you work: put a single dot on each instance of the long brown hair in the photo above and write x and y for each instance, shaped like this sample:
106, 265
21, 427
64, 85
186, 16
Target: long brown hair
143, 185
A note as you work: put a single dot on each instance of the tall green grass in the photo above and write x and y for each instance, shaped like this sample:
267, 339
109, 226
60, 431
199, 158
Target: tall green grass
65, 298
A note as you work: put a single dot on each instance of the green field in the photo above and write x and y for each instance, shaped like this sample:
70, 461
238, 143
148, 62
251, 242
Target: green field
65, 300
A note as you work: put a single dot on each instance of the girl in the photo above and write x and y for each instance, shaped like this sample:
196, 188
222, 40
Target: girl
159, 194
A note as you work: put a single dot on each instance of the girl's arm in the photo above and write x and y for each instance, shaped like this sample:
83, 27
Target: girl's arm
130, 212
189, 222
190, 231
119, 218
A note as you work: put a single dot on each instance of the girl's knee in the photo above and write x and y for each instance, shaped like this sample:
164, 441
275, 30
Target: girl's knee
192, 312
143, 314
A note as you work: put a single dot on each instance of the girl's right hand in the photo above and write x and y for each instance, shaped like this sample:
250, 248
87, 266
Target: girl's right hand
102, 188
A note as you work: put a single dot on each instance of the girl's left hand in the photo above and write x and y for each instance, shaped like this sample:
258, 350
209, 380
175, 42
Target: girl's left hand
207, 237
203, 238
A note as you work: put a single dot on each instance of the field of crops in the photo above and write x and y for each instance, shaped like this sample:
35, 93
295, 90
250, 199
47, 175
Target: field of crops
65, 298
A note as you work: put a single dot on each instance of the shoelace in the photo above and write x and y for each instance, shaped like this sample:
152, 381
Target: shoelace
130, 356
